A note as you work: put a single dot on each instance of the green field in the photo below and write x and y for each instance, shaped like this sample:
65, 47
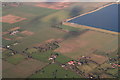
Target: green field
44, 56
16, 59
50, 70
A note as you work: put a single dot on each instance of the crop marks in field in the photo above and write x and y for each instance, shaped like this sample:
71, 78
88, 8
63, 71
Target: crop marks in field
11, 19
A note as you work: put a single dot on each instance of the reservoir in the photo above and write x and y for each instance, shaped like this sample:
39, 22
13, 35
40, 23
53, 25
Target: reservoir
105, 18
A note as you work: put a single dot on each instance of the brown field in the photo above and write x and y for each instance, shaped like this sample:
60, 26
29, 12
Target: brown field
11, 19
87, 43
98, 58
55, 5
28, 33
24, 69
13, 29
50, 40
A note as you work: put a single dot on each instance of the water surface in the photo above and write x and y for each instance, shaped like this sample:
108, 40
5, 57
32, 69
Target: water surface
105, 18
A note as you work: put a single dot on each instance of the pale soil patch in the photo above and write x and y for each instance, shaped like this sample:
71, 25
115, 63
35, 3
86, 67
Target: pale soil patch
13, 29
28, 33
98, 58
50, 40
55, 5
11, 19
24, 69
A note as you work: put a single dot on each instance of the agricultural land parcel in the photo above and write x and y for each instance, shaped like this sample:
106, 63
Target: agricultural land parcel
38, 21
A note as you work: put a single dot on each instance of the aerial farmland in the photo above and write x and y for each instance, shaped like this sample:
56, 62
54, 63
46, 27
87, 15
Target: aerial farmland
49, 40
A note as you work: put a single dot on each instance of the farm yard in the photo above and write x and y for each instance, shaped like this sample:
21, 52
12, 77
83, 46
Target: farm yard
36, 43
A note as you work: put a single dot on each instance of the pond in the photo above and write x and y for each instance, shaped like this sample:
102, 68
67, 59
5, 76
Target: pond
105, 18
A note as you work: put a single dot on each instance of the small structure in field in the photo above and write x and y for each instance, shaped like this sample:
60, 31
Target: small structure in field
63, 65
8, 46
14, 32
53, 57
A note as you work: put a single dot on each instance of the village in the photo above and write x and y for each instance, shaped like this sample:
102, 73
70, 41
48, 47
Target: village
73, 65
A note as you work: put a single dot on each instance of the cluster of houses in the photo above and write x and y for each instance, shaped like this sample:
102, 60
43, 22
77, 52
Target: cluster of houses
79, 62
72, 62
13, 52
115, 65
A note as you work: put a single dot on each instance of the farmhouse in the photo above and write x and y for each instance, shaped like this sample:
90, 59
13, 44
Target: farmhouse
71, 62
53, 57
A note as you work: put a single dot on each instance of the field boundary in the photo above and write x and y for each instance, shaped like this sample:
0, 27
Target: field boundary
89, 27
